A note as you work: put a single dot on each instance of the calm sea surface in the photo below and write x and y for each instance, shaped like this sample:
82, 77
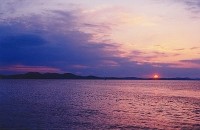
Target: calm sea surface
99, 104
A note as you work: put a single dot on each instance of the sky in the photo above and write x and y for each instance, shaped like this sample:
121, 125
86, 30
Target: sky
101, 37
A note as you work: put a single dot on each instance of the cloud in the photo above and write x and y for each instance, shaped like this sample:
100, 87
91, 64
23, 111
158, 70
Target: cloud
195, 61
194, 48
180, 49
23, 68
53, 41
148, 56
192, 5
20, 41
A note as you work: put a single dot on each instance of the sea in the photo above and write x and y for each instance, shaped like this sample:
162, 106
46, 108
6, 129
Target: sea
99, 105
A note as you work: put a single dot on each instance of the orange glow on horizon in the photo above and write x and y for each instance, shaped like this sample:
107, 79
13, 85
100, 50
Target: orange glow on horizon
156, 76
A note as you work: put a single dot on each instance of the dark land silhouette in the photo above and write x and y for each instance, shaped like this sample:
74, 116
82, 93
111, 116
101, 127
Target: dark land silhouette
37, 75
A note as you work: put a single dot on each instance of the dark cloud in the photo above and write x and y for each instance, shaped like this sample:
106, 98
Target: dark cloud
196, 61
19, 41
194, 48
149, 56
192, 5
137, 52
71, 48
52, 42
10, 7
22, 68
180, 49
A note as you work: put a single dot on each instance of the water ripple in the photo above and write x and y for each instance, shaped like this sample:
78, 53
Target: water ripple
98, 104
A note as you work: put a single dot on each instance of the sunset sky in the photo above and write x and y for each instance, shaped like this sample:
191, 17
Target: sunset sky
101, 37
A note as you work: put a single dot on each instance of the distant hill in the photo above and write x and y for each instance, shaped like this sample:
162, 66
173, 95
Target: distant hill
36, 75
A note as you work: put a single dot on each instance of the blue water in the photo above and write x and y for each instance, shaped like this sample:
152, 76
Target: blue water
99, 104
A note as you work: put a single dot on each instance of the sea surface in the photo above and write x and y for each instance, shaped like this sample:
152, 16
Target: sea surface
99, 104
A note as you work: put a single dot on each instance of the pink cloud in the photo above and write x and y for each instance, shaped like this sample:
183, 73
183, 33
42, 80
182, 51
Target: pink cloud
109, 63
24, 68
80, 66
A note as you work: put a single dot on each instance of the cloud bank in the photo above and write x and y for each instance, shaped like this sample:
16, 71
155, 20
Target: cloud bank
62, 37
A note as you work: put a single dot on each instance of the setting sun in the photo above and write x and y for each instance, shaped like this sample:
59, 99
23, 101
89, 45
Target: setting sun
156, 76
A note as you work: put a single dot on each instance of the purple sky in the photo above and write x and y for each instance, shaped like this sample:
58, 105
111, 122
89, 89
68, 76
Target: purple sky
104, 38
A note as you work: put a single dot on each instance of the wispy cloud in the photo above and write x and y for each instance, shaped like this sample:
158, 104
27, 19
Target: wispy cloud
192, 5
24, 68
195, 48
195, 61
180, 49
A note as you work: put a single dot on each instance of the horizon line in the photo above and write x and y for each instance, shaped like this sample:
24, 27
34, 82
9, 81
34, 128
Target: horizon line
101, 77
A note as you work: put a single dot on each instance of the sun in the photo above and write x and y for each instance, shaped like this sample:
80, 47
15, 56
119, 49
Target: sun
155, 76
